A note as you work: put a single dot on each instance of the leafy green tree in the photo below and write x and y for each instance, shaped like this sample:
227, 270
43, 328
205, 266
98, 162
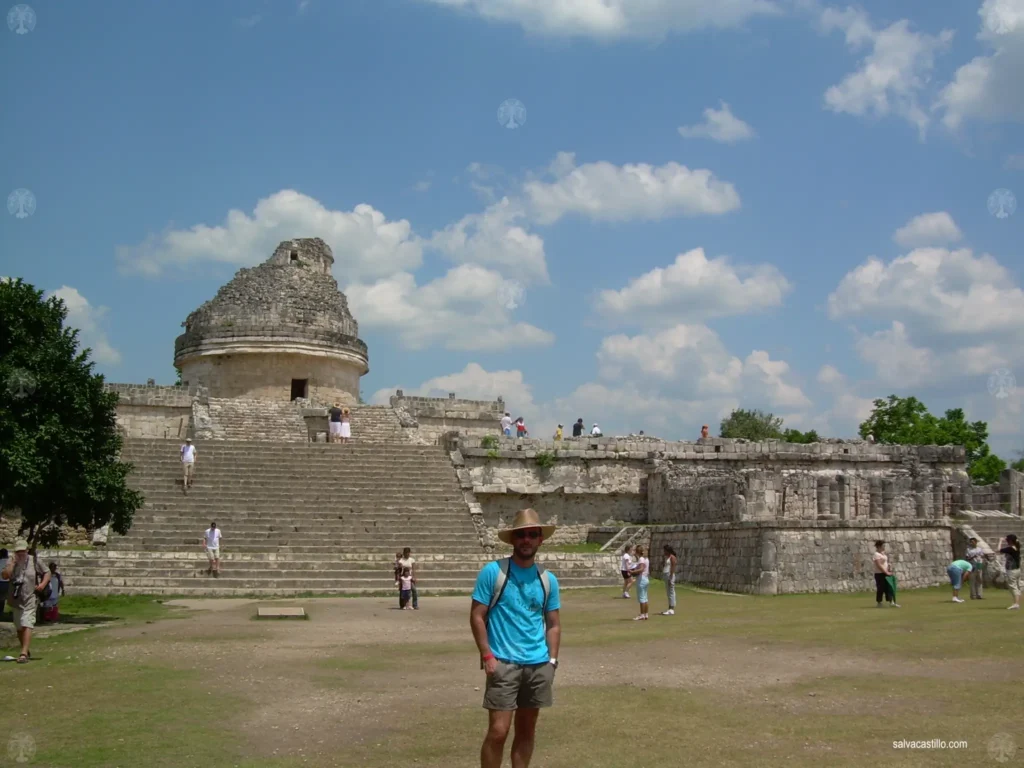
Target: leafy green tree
906, 421
986, 469
796, 436
59, 443
751, 425
1019, 463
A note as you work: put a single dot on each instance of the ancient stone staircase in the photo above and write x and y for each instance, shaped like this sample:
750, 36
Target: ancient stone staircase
249, 419
297, 518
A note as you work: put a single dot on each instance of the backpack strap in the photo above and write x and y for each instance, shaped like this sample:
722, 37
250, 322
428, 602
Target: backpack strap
501, 581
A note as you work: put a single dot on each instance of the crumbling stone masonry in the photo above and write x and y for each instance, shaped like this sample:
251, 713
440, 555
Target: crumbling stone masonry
767, 518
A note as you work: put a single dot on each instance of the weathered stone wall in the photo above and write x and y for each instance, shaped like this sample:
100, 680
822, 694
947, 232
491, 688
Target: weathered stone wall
1011, 488
269, 375
153, 411
437, 416
69, 537
787, 557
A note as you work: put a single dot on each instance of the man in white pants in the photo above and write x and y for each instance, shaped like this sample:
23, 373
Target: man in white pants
211, 541
188, 462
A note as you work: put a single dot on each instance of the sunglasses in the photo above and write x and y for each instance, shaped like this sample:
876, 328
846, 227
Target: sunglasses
526, 534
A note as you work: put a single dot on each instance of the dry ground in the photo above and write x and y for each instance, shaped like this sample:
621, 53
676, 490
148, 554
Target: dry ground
727, 681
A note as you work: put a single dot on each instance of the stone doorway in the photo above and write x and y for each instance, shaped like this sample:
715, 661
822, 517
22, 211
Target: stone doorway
299, 388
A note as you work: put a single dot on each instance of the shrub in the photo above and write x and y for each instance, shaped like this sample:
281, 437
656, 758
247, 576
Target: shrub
489, 441
492, 454
545, 460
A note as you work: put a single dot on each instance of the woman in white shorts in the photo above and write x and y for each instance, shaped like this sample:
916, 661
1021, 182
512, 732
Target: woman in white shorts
346, 425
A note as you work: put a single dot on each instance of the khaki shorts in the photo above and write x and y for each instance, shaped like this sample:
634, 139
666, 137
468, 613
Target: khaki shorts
25, 618
213, 553
514, 686
1013, 581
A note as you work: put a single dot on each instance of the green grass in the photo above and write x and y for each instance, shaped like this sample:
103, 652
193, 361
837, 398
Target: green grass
166, 714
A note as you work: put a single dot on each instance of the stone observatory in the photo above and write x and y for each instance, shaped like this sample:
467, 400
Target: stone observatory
278, 331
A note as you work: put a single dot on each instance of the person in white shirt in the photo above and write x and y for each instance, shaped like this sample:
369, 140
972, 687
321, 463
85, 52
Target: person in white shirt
642, 570
188, 461
625, 569
596, 431
211, 542
506, 425
409, 562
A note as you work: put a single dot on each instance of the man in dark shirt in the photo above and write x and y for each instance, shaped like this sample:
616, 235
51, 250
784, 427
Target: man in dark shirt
1010, 546
577, 428
335, 425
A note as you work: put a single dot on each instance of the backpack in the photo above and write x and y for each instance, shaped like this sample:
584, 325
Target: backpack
501, 581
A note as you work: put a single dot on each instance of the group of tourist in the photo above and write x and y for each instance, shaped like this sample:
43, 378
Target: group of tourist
519, 425
32, 591
636, 569
972, 569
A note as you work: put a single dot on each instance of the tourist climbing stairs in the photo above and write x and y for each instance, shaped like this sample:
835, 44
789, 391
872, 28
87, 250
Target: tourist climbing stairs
295, 518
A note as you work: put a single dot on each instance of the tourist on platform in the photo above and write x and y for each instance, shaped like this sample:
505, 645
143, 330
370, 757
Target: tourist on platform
595, 431
704, 432
4, 584
28, 580
642, 570
626, 569
883, 571
407, 561
50, 610
506, 425
346, 425
958, 571
1010, 546
975, 555
558, 433
668, 573
515, 622
211, 543
405, 589
521, 428
334, 434
188, 462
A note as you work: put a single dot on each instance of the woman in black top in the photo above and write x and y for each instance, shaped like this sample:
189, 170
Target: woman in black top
1010, 546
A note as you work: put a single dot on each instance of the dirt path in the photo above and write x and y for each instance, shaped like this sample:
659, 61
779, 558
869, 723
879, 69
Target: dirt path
300, 674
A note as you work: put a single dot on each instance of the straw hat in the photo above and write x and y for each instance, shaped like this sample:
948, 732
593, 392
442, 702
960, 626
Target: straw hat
20, 545
526, 518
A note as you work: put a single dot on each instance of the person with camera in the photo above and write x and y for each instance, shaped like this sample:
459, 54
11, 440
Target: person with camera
28, 580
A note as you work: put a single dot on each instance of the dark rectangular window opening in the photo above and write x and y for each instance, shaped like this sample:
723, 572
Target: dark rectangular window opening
718, 449
295, 256
299, 387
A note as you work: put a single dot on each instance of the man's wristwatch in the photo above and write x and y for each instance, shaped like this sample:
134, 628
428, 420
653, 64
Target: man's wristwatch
554, 663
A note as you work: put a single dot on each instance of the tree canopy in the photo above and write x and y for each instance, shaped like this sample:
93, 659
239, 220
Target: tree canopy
757, 425
59, 444
906, 421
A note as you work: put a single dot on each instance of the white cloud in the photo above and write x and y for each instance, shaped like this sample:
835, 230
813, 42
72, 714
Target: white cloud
493, 238
603, 191
471, 383
695, 288
720, 125
892, 75
690, 360
613, 19
365, 244
989, 87
928, 229
935, 290
89, 321
464, 310
896, 360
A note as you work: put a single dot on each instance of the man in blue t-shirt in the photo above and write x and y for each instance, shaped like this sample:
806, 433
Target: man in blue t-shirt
518, 640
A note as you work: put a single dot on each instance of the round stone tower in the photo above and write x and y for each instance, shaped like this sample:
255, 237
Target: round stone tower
277, 331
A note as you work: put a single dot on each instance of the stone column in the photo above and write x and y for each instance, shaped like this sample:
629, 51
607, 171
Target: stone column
768, 578
824, 498
888, 499
833, 497
938, 505
846, 509
922, 496
875, 502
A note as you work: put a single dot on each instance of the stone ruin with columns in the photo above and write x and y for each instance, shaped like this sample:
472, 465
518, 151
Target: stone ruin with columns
262, 361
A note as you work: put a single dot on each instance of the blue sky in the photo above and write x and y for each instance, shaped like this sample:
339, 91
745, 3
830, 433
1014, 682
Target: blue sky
169, 144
